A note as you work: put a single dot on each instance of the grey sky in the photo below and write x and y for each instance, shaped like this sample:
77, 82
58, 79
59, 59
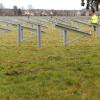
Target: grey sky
44, 4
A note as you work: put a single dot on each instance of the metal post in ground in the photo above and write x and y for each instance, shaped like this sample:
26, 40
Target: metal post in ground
65, 38
20, 22
52, 26
7, 26
78, 26
31, 26
75, 25
61, 33
11, 25
19, 34
96, 31
39, 36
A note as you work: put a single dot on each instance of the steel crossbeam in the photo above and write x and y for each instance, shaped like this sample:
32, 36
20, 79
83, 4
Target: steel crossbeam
97, 29
5, 30
71, 29
20, 34
32, 23
20, 29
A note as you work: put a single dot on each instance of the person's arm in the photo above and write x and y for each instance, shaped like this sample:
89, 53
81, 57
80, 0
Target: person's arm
92, 20
98, 21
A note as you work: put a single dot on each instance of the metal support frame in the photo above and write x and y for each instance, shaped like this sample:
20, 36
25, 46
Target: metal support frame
66, 29
97, 32
29, 38
80, 24
4, 32
7, 26
31, 26
65, 38
20, 21
20, 31
11, 26
75, 40
77, 25
19, 34
39, 36
52, 26
84, 28
65, 43
61, 33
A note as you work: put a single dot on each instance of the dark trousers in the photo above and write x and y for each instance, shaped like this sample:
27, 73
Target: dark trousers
94, 26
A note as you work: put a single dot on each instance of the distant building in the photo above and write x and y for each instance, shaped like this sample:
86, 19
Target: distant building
44, 13
9, 12
78, 13
27, 12
51, 13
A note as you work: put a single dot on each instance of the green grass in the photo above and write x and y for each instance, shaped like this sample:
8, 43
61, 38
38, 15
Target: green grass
52, 72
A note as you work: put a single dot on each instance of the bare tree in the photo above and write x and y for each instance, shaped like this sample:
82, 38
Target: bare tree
30, 8
1, 9
23, 10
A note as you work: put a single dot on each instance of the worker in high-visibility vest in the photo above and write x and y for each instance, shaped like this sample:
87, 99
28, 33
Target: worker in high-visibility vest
56, 16
95, 21
7, 16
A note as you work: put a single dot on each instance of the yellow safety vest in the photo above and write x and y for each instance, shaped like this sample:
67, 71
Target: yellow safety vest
56, 16
95, 19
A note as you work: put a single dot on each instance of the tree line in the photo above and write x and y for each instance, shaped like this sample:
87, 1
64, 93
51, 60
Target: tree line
16, 10
91, 4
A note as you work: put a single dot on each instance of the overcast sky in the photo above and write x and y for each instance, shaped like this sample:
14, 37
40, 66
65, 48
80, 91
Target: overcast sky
44, 4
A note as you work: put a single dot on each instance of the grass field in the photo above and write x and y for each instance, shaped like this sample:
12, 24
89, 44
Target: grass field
52, 72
